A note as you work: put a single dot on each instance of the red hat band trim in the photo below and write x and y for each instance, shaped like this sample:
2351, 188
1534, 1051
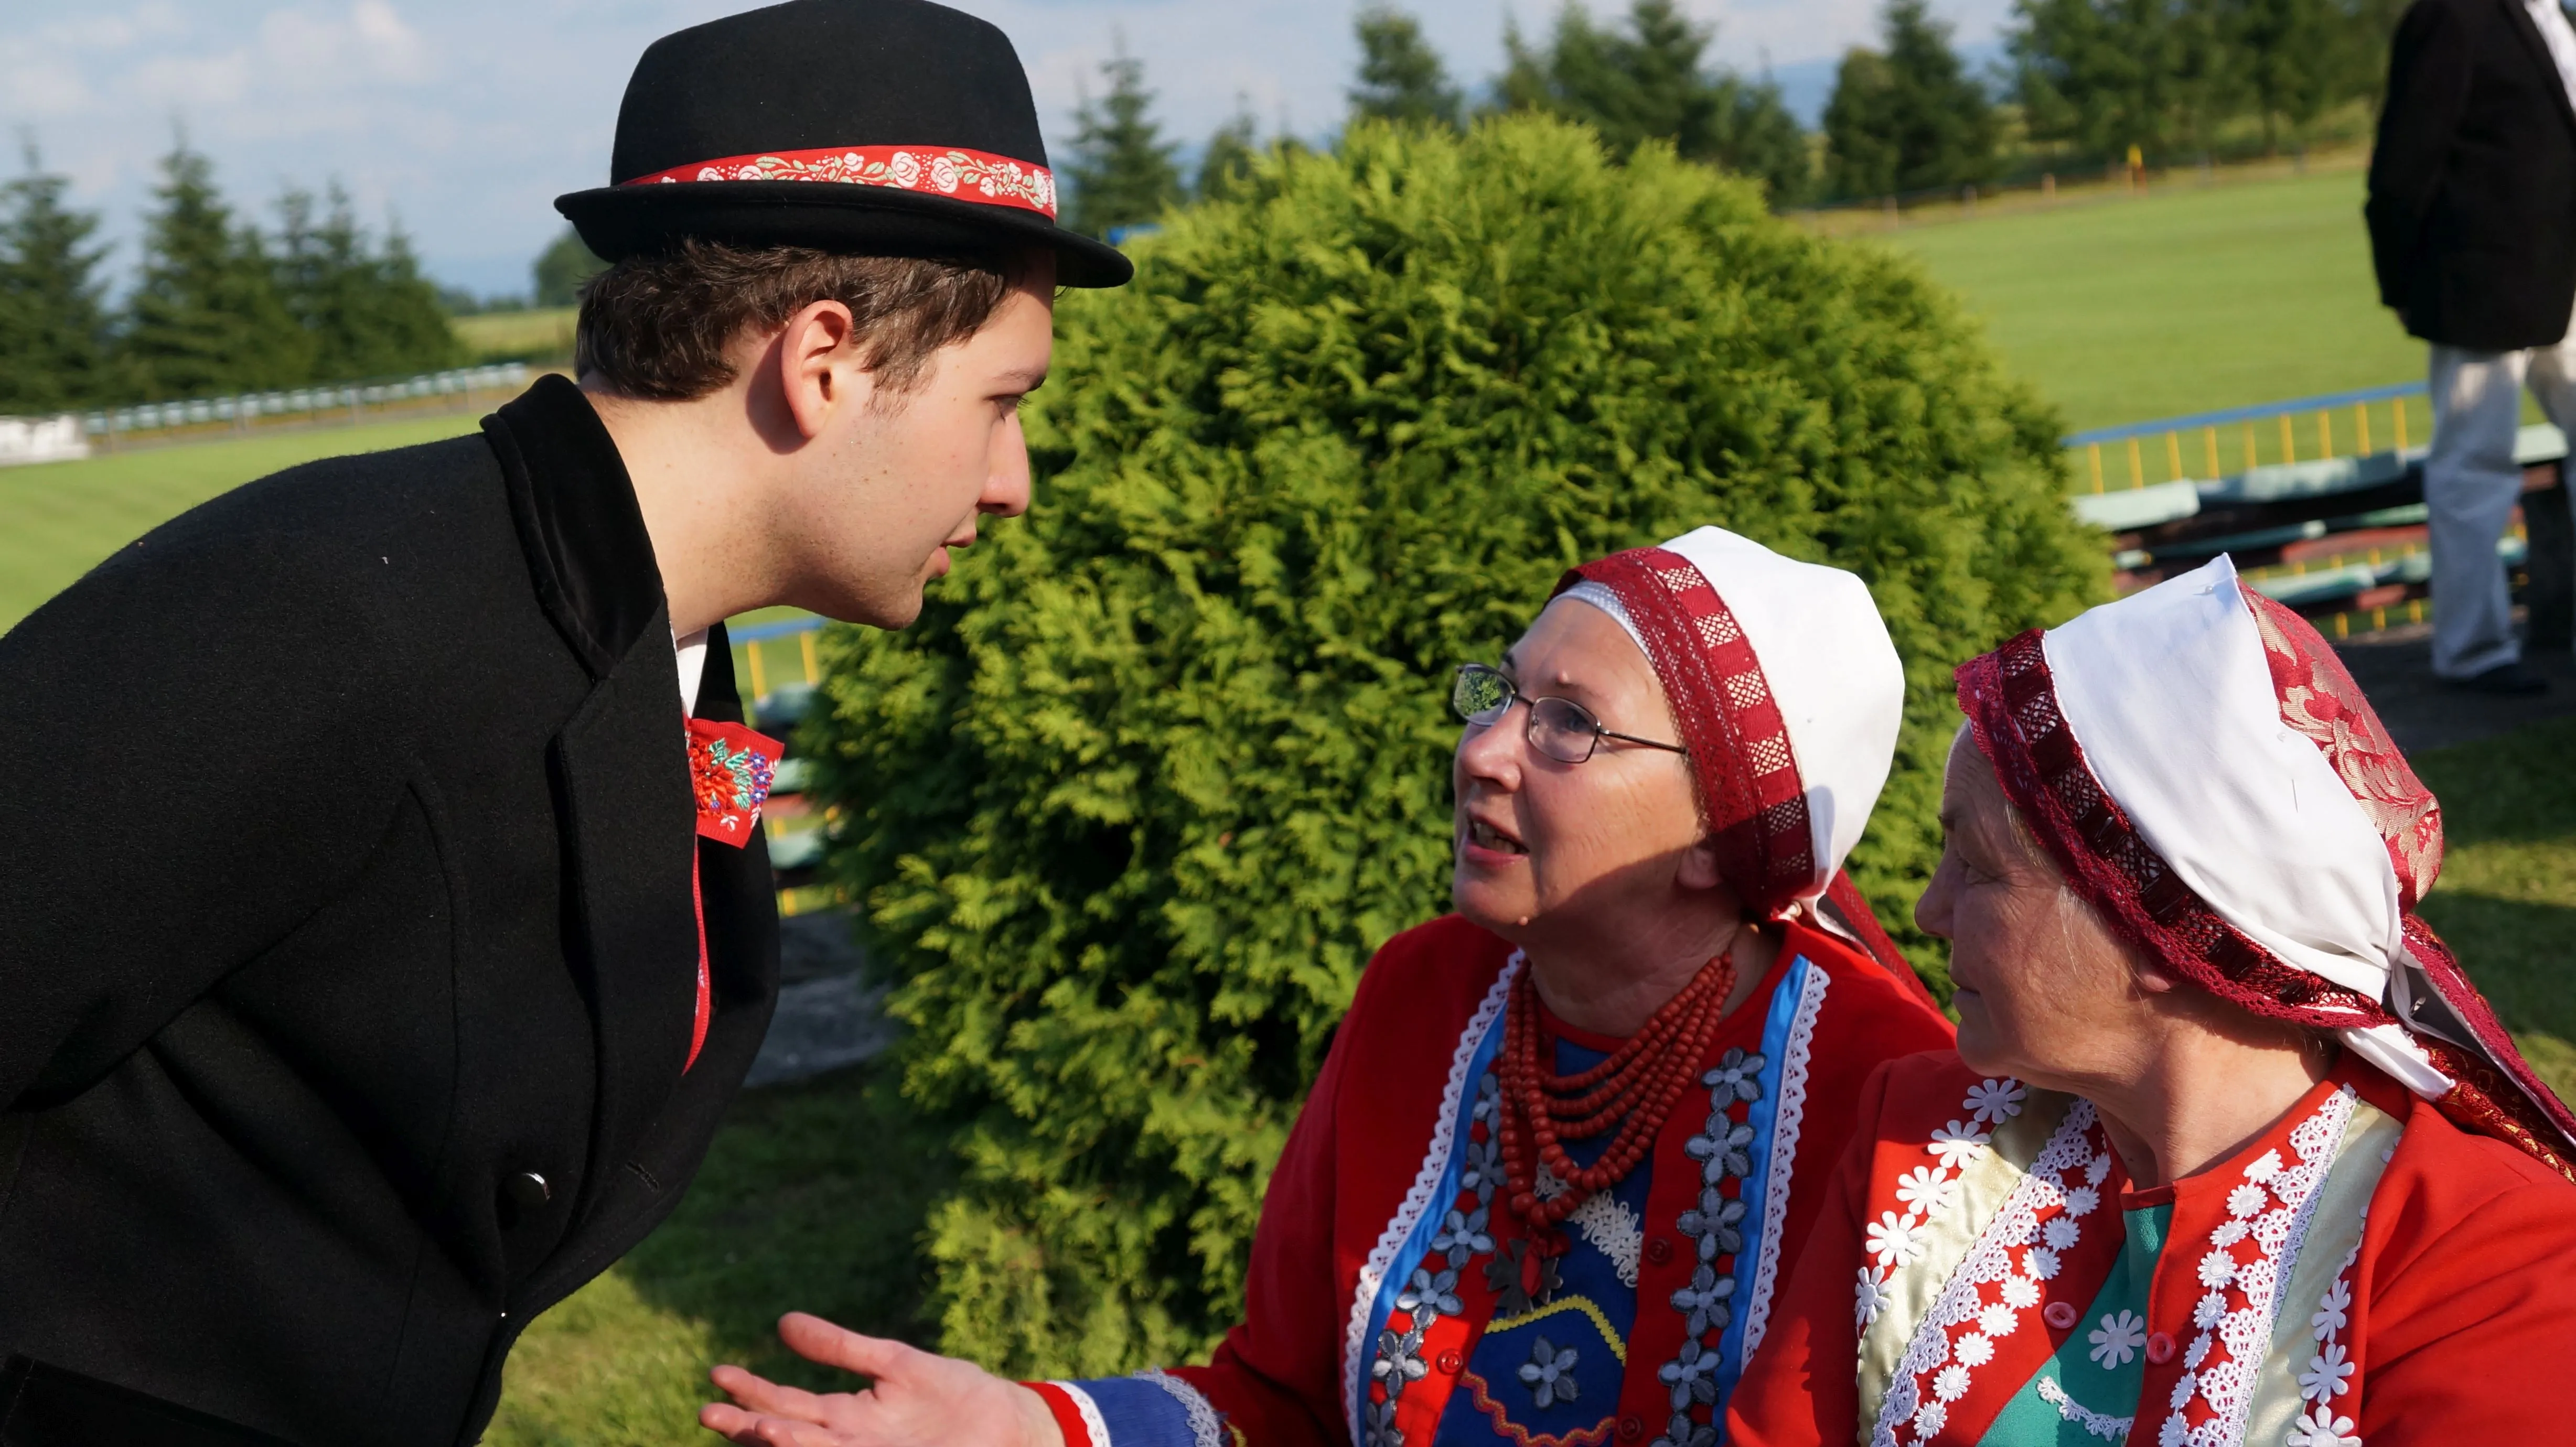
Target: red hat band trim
976, 176
2010, 698
1749, 789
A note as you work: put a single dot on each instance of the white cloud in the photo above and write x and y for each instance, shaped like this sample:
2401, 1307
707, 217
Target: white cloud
470, 116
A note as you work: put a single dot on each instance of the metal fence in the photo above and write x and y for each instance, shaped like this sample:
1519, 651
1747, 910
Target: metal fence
314, 403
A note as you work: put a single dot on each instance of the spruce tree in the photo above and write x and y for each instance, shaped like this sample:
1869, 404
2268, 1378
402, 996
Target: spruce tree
53, 319
1401, 77
562, 268
1229, 154
1122, 170
1648, 83
207, 317
370, 312
2103, 75
1910, 119
2292, 57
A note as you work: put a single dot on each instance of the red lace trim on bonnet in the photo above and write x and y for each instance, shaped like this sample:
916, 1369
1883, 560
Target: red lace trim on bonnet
2010, 699
1750, 794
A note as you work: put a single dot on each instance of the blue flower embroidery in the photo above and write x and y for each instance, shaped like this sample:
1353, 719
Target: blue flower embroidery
1549, 1374
1704, 1300
1692, 1376
1430, 1297
1715, 1224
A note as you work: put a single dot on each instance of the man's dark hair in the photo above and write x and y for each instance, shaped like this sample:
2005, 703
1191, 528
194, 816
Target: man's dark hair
657, 326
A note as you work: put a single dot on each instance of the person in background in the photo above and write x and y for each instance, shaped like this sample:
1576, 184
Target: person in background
2472, 216
395, 928
1567, 1139
2230, 1151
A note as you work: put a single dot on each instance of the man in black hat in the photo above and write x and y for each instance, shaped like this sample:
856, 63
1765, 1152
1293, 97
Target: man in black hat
392, 924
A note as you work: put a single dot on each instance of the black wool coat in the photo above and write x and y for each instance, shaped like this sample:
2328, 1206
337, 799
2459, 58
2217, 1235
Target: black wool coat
2472, 207
344, 896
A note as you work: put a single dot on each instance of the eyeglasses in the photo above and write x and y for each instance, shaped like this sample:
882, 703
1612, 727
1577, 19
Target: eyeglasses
1560, 728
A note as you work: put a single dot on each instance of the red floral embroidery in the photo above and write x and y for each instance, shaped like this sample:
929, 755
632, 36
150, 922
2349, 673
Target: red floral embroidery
730, 768
976, 176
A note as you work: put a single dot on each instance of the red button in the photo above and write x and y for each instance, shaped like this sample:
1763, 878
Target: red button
2159, 1348
2060, 1314
1449, 1363
1630, 1429
1659, 1251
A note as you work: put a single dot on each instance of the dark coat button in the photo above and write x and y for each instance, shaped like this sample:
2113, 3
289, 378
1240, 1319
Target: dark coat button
1630, 1429
1659, 1251
1450, 1362
527, 1190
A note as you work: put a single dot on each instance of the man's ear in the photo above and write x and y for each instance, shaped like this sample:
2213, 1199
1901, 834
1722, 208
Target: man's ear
817, 361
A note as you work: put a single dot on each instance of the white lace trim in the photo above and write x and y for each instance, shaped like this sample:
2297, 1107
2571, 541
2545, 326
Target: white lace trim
1930, 1352
1605, 1221
2109, 1429
1992, 1102
2231, 1346
1408, 1213
1789, 1110
1088, 1410
1206, 1429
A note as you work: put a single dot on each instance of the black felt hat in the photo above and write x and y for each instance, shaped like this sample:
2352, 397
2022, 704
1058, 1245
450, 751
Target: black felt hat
872, 127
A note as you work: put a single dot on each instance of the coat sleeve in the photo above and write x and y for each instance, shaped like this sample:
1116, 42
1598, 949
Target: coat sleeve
2428, 87
202, 728
2464, 1343
1275, 1379
1802, 1388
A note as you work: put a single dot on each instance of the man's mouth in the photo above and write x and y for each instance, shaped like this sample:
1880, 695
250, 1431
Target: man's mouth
1486, 836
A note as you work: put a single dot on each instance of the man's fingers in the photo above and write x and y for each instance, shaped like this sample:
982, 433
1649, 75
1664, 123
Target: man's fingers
815, 1339
765, 1396
750, 1429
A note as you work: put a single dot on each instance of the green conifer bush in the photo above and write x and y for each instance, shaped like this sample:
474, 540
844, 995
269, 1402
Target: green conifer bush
1160, 766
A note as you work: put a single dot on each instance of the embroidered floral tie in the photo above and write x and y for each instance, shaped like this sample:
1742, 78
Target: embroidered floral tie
730, 769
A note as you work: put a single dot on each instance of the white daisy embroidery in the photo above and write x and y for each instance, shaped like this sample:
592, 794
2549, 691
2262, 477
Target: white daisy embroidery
1894, 1241
1996, 1101
2322, 1428
1929, 1419
1951, 1384
2041, 1263
2246, 1199
2324, 1378
1998, 1320
2100, 1168
1925, 1190
1870, 1296
1956, 1144
2217, 1269
2211, 1310
2059, 1233
2329, 1317
2264, 1167
2117, 1339
2020, 1293
2230, 1232
1974, 1349
2082, 1200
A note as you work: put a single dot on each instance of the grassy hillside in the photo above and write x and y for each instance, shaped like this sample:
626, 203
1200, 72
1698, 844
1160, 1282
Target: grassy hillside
65, 516
543, 335
2184, 298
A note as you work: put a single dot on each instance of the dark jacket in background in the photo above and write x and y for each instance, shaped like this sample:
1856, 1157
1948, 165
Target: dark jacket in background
344, 879
2472, 206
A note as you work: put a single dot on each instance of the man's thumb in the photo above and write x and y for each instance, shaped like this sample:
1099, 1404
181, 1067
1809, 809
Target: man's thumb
815, 1339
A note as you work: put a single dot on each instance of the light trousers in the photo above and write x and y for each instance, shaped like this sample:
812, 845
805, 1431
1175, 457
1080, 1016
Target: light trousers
2471, 485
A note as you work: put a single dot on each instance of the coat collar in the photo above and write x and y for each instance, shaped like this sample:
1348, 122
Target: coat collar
588, 553
2520, 19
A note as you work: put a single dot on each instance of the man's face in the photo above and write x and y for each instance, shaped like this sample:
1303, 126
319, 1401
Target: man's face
901, 480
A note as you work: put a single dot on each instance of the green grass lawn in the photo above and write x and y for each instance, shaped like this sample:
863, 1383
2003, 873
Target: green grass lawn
65, 516
2187, 298
814, 1196
544, 334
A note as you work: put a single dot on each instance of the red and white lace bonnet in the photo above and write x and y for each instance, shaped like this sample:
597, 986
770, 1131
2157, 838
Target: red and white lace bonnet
1787, 692
2209, 777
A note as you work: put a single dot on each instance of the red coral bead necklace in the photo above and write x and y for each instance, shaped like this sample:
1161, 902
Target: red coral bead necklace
1634, 1088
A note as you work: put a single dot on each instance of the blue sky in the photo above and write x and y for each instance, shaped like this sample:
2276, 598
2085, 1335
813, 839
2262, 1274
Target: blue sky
465, 118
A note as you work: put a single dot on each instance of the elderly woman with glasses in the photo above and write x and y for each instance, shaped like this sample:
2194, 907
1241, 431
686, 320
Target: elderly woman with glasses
1567, 1137
2229, 1151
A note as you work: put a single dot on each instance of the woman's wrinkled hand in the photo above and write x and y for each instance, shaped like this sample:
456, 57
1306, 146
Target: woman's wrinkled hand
915, 1399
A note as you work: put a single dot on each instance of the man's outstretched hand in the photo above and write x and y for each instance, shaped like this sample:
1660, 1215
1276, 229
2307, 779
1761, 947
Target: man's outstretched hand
917, 1400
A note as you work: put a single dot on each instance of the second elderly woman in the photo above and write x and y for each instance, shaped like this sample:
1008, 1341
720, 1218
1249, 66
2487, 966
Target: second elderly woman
2229, 1152
1568, 1139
